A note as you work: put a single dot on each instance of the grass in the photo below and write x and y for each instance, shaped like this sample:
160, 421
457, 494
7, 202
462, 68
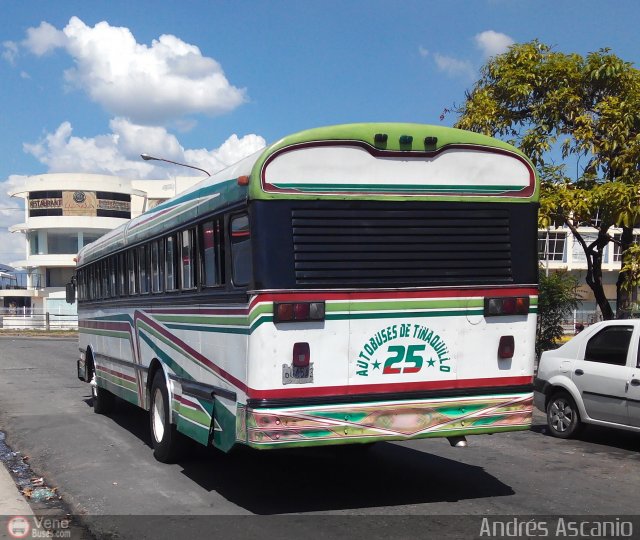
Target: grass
28, 332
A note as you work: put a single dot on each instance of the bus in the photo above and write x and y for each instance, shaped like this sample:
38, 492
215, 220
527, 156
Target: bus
345, 285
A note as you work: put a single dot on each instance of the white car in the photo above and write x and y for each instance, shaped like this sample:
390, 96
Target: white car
592, 379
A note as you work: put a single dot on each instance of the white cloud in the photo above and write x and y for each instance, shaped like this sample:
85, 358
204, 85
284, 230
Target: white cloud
148, 84
12, 245
454, 66
44, 39
119, 152
492, 43
423, 52
10, 51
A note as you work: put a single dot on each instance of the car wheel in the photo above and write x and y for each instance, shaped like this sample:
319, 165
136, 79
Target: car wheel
168, 444
563, 417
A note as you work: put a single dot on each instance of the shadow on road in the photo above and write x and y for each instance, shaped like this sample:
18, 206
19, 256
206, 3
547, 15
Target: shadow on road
323, 479
598, 439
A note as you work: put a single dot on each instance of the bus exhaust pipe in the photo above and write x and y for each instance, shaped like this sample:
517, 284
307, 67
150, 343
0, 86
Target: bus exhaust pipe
457, 442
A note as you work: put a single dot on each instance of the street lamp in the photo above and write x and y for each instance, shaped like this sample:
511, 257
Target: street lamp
147, 157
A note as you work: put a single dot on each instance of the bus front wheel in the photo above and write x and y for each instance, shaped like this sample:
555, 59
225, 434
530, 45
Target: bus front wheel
167, 442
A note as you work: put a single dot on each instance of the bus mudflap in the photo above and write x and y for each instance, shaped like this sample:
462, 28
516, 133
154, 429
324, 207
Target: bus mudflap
208, 420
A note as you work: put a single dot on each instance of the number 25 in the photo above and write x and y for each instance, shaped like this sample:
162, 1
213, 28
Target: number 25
408, 355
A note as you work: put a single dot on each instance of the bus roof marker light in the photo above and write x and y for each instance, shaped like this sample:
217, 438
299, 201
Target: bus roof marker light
243, 180
431, 141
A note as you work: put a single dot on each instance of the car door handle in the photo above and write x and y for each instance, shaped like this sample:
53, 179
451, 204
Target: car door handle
635, 382
579, 372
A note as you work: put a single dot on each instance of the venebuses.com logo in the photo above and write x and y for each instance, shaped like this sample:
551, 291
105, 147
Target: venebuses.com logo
40, 527
18, 527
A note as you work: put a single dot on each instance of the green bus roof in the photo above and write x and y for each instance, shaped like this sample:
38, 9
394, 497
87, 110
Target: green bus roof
222, 188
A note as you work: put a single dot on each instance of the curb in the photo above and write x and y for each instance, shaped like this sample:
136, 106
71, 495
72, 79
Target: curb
12, 502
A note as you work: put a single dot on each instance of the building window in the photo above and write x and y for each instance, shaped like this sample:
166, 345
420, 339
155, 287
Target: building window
617, 248
34, 243
62, 243
87, 238
551, 246
241, 250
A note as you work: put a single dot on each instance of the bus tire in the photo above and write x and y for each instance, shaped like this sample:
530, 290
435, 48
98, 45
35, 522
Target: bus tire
167, 443
103, 401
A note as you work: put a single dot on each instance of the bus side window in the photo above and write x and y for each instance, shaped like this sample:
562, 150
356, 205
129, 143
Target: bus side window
122, 275
170, 263
113, 271
241, 251
186, 259
211, 254
91, 282
143, 269
156, 267
131, 266
97, 274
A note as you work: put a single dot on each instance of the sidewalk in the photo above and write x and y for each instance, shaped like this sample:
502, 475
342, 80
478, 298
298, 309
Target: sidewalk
12, 502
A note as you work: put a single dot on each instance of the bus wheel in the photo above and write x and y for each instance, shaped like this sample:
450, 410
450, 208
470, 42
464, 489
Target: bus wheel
103, 400
167, 442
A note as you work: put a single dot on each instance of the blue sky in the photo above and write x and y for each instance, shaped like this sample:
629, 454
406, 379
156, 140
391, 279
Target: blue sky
88, 86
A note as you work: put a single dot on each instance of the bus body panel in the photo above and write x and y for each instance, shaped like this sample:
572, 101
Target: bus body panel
406, 350
205, 345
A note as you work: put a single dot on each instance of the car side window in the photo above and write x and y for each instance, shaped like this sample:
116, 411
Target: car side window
609, 346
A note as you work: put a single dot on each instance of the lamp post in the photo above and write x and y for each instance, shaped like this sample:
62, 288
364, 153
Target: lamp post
147, 157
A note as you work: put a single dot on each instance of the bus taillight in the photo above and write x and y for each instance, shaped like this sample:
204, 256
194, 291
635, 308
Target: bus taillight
298, 311
494, 307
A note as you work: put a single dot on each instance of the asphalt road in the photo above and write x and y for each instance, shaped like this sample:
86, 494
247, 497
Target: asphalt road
103, 466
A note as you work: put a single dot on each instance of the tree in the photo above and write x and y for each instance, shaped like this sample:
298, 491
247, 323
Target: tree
547, 102
558, 297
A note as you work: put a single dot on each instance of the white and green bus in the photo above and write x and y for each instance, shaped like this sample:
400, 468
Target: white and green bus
347, 284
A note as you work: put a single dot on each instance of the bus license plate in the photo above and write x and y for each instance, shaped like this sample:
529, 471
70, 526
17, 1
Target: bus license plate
297, 375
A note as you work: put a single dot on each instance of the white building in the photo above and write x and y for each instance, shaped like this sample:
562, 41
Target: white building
558, 249
63, 213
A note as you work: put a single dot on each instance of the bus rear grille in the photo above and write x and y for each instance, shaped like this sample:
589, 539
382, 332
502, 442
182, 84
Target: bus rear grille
396, 247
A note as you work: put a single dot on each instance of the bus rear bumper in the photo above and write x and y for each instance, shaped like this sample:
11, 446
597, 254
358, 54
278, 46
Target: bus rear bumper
350, 423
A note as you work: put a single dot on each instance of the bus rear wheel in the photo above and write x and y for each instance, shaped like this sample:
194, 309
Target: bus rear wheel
168, 444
